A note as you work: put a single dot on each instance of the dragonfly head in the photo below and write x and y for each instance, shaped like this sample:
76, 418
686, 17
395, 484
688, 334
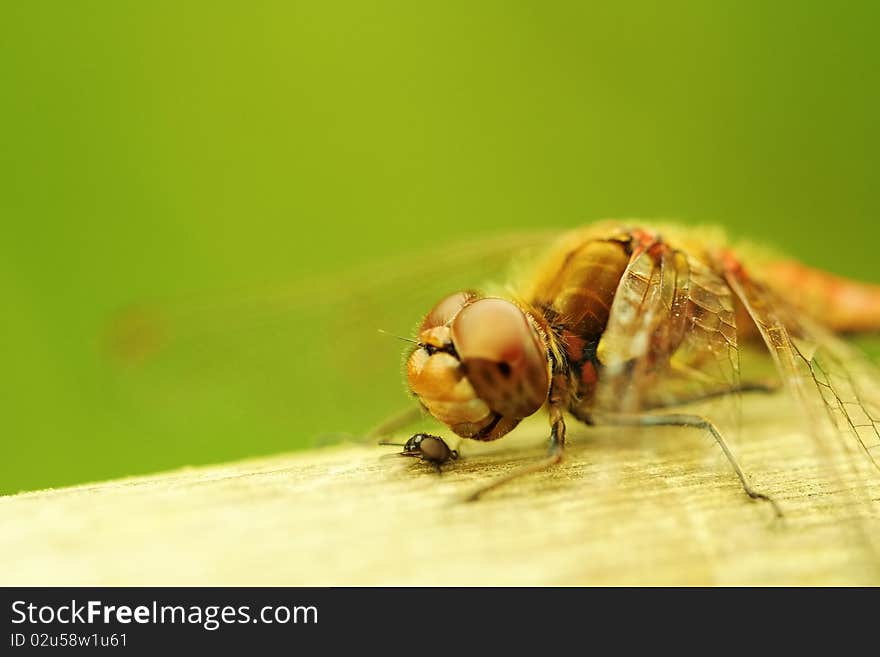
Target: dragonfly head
481, 366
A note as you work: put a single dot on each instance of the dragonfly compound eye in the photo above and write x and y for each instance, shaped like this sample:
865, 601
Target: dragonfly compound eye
503, 356
445, 310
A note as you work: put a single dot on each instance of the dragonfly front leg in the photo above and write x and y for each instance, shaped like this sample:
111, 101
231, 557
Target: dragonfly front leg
557, 403
691, 421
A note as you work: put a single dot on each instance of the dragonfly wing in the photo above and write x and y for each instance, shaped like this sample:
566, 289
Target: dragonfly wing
828, 378
630, 335
671, 335
298, 359
703, 354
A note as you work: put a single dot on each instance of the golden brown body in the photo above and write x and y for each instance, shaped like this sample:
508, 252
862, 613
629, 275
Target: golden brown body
619, 321
573, 295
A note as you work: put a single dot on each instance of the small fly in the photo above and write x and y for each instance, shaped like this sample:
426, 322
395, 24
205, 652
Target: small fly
428, 447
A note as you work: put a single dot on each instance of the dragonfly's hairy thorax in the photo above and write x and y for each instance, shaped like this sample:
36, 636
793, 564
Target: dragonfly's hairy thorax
573, 294
575, 290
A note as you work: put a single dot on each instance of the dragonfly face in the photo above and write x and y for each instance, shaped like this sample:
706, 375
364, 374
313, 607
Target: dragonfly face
481, 366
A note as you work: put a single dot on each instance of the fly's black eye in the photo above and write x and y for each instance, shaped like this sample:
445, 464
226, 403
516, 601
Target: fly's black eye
427, 447
431, 349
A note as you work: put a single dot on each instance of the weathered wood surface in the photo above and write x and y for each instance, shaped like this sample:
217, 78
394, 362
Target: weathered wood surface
626, 507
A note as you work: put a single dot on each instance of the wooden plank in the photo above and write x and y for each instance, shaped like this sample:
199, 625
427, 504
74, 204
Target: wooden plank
656, 506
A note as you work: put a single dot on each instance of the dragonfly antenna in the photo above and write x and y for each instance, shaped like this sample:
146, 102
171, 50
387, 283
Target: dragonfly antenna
394, 335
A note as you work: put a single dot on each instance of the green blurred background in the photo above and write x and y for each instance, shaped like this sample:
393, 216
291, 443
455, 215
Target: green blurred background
159, 151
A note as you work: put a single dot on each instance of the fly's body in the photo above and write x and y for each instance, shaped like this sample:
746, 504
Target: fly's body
618, 323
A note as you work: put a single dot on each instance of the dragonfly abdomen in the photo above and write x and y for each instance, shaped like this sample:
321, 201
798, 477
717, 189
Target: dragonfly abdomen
841, 304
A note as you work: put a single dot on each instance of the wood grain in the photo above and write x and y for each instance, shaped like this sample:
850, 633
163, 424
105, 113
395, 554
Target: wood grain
656, 506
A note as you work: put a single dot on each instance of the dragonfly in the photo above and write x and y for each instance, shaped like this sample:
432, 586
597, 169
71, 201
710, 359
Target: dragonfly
618, 323
614, 324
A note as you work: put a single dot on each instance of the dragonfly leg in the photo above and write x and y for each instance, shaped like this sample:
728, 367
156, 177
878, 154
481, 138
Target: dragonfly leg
745, 386
554, 452
694, 422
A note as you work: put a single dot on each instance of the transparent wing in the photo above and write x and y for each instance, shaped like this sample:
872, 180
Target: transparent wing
671, 336
628, 345
848, 384
278, 367
836, 388
704, 354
